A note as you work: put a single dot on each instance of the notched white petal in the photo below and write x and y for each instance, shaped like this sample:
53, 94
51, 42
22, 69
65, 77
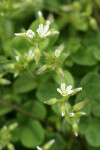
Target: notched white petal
30, 55
59, 90
63, 86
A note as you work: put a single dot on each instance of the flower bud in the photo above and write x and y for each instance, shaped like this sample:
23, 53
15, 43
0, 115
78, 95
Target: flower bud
37, 55
93, 23
13, 126
75, 129
41, 69
80, 114
62, 109
51, 101
4, 81
48, 144
60, 72
79, 106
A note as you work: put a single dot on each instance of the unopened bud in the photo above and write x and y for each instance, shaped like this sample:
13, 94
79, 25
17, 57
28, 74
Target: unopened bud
13, 126
75, 129
48, 144
41, 69
93, 23
79, 106
37, 55
62, 109
4, 81
51, 101
60, 72
80, 114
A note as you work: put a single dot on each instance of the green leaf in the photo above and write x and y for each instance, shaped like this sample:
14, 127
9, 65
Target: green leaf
85, 56
69, 80
32, 135
20, 44
24, 84
91, 91
4, 110
97, 53
93, 133
46, 91
36, 108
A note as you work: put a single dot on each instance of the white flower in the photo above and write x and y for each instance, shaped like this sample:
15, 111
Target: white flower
43, 31
65, 91
30, 34
57, 53
30, 55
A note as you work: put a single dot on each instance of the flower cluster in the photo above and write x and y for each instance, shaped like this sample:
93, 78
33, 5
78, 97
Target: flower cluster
71, 113
43, 30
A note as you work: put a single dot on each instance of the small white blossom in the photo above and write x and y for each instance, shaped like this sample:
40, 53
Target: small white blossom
30, 34
43, 30
38, 148
30, 55
57, 53
65, 91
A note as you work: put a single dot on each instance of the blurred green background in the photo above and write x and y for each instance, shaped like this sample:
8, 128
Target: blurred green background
21, 101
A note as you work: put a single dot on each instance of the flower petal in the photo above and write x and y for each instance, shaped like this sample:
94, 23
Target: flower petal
48, 33
63, 86
59, 90
46, 27
69, 89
